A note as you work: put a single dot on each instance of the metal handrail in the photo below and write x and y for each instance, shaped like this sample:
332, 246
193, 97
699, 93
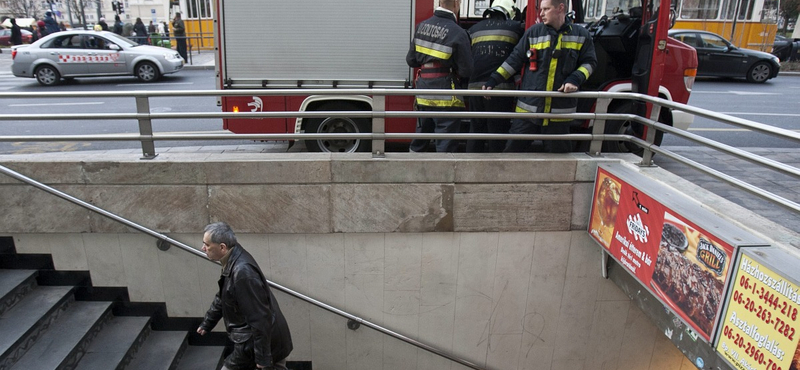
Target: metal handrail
163, 238
597, 136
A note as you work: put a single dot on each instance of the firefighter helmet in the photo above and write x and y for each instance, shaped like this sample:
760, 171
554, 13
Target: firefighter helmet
504, 6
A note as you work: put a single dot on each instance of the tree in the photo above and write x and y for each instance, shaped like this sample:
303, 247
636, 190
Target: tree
24, 8
789, 10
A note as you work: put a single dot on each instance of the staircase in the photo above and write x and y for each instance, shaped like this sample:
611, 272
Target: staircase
56, 320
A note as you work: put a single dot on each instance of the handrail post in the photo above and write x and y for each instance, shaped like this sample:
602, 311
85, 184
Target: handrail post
145, 127
647, 155
599, 127
378, 126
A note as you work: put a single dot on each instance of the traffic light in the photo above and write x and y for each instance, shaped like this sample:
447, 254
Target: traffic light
121, 6
114, 6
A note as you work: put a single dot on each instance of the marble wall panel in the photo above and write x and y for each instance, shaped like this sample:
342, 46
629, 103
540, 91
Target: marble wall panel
550, 169
439, 269
161, 208
328, 350
104, 255
605, 338
326, 267
287, 257
390, 208
271, 208
477, 261
182, 291
436, 326
30, 210
298, 316
158, 171
56, 172
364, 349
271, 171
68, 253
401, 313
403, 260
638, 340
393, 169
581, 206
258, 245
512, 207
140, 261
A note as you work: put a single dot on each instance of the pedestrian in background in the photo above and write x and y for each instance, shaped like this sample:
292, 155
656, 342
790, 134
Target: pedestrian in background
253, 319
556, 55
179, 30
117, 25
166, 30
151, 28
42, 29
141, 31
493, 39
16, 33
103, 24
50, 23
441, 50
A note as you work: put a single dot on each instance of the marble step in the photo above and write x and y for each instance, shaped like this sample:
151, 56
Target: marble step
201, 358
27, 320
65, 341
116, 344
162, 350
15, 284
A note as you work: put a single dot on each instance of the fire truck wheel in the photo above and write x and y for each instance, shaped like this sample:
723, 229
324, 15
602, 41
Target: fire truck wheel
627, 127
47, 75
332, 125
147, 72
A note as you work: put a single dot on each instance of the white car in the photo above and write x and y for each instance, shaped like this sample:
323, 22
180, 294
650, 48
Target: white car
81, 53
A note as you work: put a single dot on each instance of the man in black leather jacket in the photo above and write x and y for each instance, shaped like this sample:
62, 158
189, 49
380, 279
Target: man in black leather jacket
253, 319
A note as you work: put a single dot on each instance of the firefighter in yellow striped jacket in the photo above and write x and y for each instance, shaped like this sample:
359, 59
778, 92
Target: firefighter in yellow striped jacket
554, 55
441, 51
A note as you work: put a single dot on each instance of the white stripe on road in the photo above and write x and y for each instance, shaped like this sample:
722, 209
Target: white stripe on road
47, 104
726, 129
761, 114
158, 83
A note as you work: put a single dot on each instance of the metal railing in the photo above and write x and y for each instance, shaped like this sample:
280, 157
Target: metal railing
378, 136
379, 114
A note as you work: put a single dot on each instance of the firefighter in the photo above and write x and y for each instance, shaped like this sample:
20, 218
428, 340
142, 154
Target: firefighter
493, 39
554, 55
441, 51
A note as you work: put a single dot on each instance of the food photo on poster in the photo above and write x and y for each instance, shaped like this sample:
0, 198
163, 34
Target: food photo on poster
607, 204
759, 329
691, 271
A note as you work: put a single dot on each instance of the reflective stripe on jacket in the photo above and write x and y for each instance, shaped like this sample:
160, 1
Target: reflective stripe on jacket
441, 50
492, 42
563, 56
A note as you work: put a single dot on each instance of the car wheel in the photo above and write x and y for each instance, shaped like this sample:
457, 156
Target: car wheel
628, 127
331, 125
759, 72
47, 75
147, 72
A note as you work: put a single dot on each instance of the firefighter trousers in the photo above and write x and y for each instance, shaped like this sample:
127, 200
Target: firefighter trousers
534, 127
450, 125
489, 125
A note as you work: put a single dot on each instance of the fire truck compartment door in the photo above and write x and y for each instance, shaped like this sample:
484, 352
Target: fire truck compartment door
317, 41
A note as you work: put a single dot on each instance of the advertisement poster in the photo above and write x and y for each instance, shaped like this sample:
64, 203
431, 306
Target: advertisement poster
760, 326
683, 265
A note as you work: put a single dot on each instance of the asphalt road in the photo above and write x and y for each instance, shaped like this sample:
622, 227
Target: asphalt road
774, 103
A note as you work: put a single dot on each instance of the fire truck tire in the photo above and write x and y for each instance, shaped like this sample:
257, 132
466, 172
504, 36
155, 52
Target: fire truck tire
338, 125
147, 72
759, 72
47, 75
627, 127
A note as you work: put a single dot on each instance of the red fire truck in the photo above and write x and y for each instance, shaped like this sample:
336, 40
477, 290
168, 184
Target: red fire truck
362, 44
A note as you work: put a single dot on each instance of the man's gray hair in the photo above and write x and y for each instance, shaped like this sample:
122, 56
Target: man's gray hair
220, 232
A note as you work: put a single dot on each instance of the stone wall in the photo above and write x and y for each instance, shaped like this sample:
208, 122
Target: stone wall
485, 256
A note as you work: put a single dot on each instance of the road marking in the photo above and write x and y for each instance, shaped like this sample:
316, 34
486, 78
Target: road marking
725, 129
735, 92
157, 83
48, 104
761, 114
